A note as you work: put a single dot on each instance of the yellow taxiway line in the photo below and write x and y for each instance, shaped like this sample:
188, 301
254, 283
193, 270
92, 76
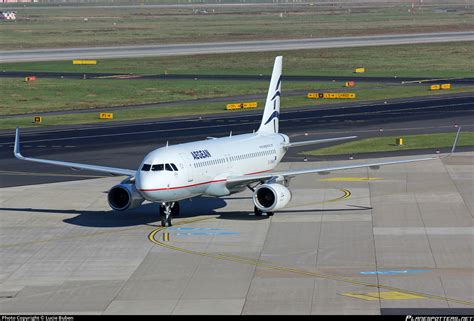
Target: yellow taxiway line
266, 264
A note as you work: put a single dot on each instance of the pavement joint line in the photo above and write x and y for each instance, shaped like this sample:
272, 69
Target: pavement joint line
48, 174
91, 234
61, 290
270, 265
258, 262
68, 237
346, 195
246, 260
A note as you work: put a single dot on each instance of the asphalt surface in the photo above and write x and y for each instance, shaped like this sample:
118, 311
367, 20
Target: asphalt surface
122, 76
124, 145
229, 47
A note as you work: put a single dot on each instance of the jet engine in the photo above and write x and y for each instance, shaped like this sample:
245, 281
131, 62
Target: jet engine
271, 197
122, 197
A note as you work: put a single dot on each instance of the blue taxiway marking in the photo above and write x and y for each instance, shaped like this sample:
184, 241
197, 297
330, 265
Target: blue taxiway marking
395, 272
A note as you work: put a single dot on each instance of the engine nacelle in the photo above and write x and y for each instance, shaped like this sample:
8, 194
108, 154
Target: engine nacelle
271, 197
122, 197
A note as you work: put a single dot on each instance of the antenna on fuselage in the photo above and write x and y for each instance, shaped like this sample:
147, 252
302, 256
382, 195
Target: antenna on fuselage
230, 135
167, 144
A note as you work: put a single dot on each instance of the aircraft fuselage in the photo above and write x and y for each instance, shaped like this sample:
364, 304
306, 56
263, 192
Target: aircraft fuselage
182, 171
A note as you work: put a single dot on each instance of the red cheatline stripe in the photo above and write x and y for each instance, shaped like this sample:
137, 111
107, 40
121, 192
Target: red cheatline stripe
178, 187
258, 172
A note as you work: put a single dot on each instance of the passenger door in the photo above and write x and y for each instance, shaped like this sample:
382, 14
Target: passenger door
187, 165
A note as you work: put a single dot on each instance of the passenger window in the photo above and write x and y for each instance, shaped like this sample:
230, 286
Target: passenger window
174, 167
146, 167
157, 167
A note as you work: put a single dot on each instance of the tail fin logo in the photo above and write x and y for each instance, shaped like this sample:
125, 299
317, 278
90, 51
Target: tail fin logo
275, 114
277, 91
271, 113
277, 94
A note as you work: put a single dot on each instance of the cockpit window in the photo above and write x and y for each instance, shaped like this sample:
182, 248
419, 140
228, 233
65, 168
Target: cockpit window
157, 167
160, 167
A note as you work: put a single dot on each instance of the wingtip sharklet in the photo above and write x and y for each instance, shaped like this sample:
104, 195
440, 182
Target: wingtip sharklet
456, 140
16, 148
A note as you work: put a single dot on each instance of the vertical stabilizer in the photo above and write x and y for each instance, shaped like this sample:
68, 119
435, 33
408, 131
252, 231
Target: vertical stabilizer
271, 114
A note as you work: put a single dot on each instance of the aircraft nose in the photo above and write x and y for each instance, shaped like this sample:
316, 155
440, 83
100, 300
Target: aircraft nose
145, 185
142, 182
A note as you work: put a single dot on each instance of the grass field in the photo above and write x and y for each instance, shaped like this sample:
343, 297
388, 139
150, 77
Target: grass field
188, 109
96, 26
421, 60
387, 144
427, 60
67, 94
44, 95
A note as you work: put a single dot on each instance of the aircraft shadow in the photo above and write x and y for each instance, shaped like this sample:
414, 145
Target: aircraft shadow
147, 214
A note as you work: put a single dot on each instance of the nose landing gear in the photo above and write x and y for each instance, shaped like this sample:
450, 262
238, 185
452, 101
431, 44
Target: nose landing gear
167, 211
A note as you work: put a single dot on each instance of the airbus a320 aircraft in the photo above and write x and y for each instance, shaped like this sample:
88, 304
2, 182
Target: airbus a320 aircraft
215, 167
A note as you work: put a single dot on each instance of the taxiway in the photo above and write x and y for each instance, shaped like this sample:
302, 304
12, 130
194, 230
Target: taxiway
124, 144
229, 47
396, 240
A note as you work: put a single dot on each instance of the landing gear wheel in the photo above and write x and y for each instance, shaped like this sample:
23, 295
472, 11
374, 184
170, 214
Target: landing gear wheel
270, 214
163, 221
167, 211
257, 211
175, 209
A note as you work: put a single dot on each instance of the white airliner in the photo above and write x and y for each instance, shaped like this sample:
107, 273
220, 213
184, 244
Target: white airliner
216, 166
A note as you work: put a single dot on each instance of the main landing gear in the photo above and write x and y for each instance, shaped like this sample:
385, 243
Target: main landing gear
259, 212
167, 211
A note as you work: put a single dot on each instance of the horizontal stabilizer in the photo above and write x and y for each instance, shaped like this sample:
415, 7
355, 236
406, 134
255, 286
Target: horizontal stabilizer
318, 141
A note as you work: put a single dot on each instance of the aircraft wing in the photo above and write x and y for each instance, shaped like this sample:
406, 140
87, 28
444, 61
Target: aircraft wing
247, 179
103, 169
237, 180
